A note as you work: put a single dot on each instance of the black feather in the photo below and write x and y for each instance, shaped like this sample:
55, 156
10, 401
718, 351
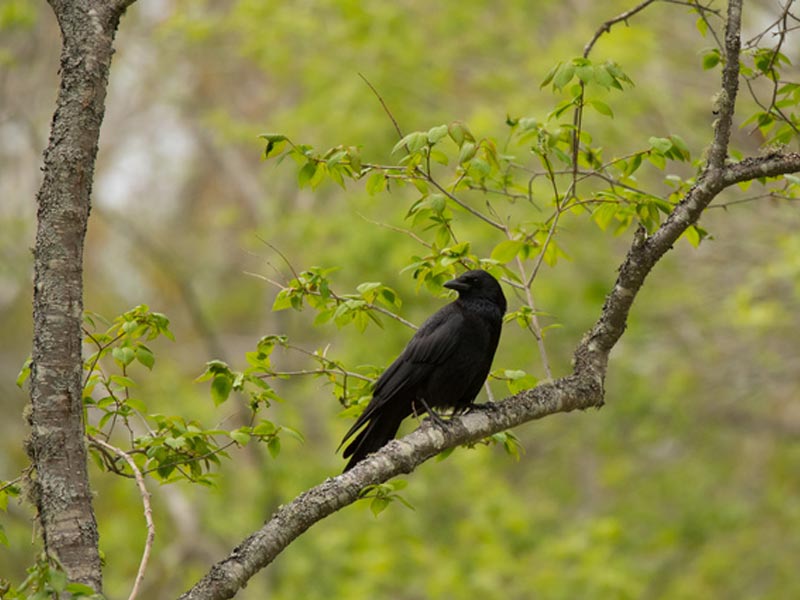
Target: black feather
443, 366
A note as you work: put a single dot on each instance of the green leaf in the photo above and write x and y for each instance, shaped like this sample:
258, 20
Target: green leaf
274, 446
275, 143
412, 142
241, 436
145, 356
702, 26
265, 428
657, 160
25, 372
221, 388
58, 580
459, 133
679, 143
80, 589
660, 144
604, 214
176, 443
513, 373
283, 300
124, 355
122, 381
711, 59
376, 183
602, 108
136, 404
517, 384
306, 173
564, 75
273, 137
633, 164
369, 290
585, 73
468, 150
436, 133
695, 234
550, 74
293, 433
507, 250
378, 505
603, 77
561, 155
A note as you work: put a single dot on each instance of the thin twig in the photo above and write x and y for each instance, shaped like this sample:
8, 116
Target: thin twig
606, 27
14, 481
100, 348
281, 254
771, 195
383, 104
407, 232
148, 511
535, 327
461, 203
702, 10
551, 231
316, 372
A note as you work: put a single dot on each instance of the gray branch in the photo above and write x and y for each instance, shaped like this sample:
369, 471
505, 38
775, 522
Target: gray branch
582, 389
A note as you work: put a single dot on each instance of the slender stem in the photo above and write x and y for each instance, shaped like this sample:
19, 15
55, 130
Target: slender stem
299, 372
535, 327
148, 511
461, 203
383, 104
606, 27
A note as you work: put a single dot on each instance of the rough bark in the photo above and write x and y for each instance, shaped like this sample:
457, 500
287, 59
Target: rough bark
582, 389
61, 488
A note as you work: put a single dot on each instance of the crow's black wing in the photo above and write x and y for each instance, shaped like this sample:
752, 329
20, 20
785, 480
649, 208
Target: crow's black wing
432, 344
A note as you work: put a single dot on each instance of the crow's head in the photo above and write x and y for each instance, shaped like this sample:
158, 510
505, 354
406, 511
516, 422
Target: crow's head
478, 284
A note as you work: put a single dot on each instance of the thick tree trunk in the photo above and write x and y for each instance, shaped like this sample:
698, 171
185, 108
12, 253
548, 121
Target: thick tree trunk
61, 487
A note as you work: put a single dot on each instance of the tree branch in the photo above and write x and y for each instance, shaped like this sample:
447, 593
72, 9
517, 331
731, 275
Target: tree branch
399, 456
726, 101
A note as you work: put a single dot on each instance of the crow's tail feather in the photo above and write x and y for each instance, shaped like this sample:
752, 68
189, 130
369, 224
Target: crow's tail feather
382, 427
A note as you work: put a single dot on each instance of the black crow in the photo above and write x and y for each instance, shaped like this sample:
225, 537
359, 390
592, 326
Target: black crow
443, 366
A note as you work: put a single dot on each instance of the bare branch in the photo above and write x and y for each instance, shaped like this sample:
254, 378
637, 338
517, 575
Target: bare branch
463, 204
383, 104
770, 165
148, 511
606, 27
535, 328
718, 152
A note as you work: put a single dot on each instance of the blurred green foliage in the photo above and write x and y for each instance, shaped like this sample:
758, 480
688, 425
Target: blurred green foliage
682, 486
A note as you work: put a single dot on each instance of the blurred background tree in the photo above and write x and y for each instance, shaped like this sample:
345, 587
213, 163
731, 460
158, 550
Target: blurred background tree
681, 486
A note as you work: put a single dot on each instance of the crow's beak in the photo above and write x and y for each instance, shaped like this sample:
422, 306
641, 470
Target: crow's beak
456, 284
